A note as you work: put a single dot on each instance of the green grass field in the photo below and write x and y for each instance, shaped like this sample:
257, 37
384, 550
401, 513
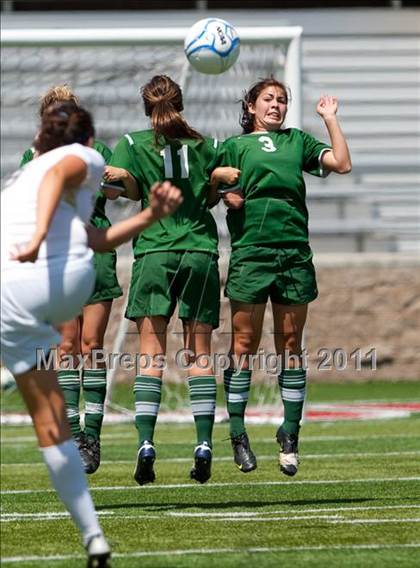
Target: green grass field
355, 501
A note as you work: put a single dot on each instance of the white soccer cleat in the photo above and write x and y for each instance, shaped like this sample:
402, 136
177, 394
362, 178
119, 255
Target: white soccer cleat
99, 552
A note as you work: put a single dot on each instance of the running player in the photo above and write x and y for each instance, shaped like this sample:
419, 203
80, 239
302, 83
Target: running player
47, 275
85, 333
271, 257
176, 262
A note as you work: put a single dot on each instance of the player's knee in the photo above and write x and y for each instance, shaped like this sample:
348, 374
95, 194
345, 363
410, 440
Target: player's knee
90, 344
245, 344
69, 346
292, 343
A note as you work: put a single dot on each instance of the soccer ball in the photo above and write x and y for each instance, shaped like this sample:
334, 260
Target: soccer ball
212, 46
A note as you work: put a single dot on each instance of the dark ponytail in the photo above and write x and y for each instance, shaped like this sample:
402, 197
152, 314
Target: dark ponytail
62, 124
162, 99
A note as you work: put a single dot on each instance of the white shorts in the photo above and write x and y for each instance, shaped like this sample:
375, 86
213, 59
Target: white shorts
30, 307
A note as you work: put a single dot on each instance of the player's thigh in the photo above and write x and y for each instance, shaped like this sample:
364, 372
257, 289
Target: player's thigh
198, 288
247, 321
95, 321
197, 336
70, 337
289, 322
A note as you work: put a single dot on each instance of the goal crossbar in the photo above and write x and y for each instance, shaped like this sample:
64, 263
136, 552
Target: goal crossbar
289, 36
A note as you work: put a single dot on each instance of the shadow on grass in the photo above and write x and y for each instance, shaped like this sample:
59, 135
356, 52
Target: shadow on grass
227, 505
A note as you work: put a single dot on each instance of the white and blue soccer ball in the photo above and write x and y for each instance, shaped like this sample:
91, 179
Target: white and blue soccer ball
212, 46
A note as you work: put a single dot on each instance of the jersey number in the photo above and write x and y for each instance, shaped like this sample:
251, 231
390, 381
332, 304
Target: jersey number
267, 144
182, 153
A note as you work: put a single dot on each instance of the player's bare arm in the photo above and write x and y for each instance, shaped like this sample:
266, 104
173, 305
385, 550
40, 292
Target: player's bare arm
338, 160
228, 176
113, 174
164, 200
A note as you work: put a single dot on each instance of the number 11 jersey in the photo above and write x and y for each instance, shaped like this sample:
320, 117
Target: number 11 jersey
188, 164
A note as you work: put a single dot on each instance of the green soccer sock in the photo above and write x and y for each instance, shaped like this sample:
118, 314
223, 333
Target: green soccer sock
203, 403
237, 385
292, 383
147, 394
69, 381
94, 392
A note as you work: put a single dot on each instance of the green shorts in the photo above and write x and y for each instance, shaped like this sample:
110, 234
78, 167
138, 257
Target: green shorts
106, 282
285, 275
160, 280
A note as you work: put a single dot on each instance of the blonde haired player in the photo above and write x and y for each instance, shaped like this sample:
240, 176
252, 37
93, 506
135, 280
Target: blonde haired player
84, 334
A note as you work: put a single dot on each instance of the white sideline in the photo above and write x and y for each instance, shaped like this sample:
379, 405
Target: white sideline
197, 551
272, 457
239, 515
221, 484
246, 515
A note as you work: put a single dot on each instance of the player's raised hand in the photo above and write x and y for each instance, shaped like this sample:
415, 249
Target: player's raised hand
165, 198
327, 106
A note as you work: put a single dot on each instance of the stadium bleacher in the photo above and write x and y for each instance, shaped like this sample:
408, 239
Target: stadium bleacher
374, 73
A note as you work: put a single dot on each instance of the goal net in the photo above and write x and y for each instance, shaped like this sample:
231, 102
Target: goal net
105, 68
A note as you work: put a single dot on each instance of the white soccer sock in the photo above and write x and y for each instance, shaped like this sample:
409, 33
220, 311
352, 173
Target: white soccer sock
68, 478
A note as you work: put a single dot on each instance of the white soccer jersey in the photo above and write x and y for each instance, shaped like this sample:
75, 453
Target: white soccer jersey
67, 237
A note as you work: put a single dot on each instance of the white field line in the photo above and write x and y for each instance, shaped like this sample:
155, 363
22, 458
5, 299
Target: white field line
307, 439
138, 517
203, 551
222, 484
334, 519
359, 455
248, 515
324, 510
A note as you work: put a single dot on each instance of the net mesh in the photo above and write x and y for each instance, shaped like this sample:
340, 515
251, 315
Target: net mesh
107, 80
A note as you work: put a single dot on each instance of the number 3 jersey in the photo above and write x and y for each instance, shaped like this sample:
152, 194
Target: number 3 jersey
188, 164
274, 213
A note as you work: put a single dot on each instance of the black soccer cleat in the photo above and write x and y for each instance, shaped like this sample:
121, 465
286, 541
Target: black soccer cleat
93, 449
99, 552
288, 455
81, 444
243, 456
201, 470
146, 456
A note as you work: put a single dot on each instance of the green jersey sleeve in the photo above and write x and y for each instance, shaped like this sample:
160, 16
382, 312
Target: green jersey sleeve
103, 150
312, 154
124, 156
28, 156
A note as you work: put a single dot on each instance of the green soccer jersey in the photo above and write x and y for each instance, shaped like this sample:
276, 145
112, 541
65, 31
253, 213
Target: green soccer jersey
274, 213
99, 218
188, 164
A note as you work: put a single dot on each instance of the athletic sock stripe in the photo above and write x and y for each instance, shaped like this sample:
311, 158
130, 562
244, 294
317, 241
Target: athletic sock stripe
293, 395
72, 412
238, 397
94, 408
203, 407
68, 378
145, 407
